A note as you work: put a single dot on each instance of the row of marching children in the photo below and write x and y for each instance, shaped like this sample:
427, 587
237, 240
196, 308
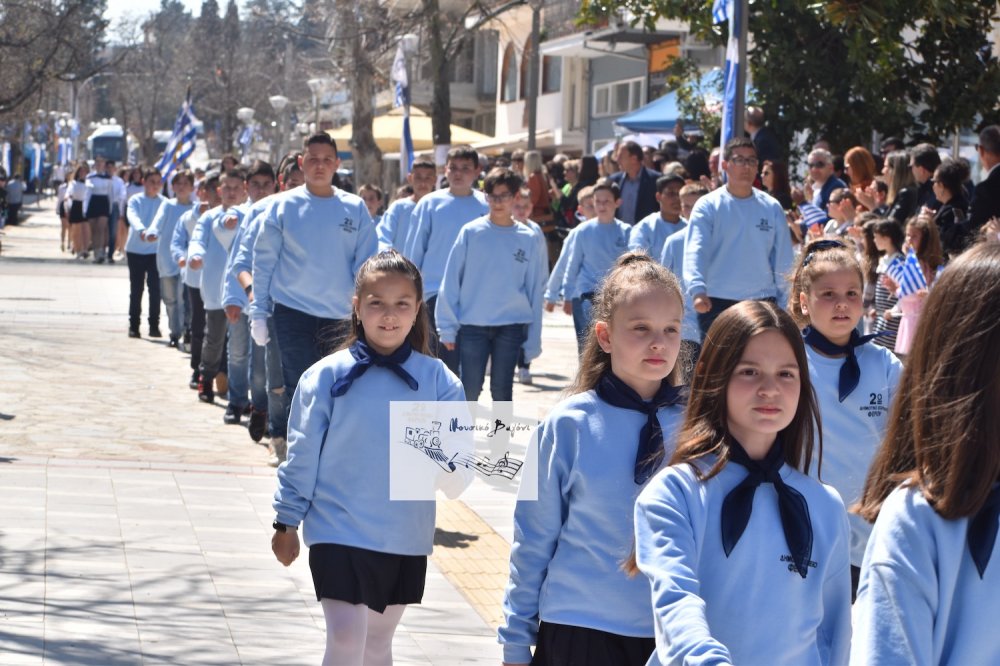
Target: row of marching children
707, 502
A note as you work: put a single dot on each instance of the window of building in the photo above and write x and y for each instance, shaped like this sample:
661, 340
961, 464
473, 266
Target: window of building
525, 71
508, 82
614, 99
551, 74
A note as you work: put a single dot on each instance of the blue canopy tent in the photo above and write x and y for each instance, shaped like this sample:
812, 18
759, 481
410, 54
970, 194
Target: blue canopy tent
662, 114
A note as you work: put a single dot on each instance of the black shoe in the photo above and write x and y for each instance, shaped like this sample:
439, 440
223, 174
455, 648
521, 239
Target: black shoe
195, 380
205, 392
257, 425
232, 415
173, 342
248, 410
111, 260
154, 332
134, 333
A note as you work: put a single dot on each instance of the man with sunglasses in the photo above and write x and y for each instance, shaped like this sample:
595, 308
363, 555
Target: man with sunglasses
737, 246
822, 178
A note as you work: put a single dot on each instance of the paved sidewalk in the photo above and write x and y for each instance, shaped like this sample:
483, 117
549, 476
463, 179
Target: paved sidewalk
138, 524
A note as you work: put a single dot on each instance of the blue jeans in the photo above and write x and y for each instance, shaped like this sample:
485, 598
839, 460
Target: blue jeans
303, 339
451, 358
581, 320
719, 305
172, 293
239, 362
477, 344
278, 400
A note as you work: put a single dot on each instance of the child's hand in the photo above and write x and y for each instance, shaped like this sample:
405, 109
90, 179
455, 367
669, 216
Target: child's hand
233, 313
888, 315
195, 263
182, 262
550, 306
889, 283
450, 346
285, 546
702, 303
568, 307
230, 222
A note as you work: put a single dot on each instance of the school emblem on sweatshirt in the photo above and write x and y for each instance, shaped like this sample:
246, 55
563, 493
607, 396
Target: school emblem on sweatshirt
520, 257
348, 225
764, 225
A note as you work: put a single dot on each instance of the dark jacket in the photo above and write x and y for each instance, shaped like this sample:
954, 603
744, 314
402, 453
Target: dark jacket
985, 201
646, 201
904, 206
765, 142
953, 226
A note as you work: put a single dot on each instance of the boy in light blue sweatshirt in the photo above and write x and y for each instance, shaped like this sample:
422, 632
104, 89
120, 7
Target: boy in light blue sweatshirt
394, 226
492, 312
141, 254
737, 246
597, 245
650, 233
208, 252
435, 222
162, 231
308, 251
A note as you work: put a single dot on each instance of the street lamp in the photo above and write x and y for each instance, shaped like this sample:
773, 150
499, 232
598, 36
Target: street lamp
245, 115
278, 103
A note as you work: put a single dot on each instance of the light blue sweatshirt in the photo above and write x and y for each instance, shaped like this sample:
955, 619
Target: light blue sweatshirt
554, 287
752, 607
672, 257
211, 242
179, 247
920, 598
569, 545
241, 253
435, 223
308, 251
336, 478
853, 429
651, 232
593, 253
394, 225
163, 227
738, 249
495, 276
141, 212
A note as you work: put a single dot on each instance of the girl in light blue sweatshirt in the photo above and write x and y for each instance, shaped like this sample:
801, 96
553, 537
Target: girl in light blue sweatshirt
367, 554
931, 574
747, 556
855, 380
567, 594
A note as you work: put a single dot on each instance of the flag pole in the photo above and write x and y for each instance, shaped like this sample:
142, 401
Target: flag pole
742, 11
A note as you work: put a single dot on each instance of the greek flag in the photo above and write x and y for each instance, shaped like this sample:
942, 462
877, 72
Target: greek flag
246, 136
5, 158
37, 161
181, 143
907, 274
812, 214
722, 10
403, 99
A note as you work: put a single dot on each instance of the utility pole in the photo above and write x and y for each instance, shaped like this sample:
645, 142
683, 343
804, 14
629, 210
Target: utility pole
533, 70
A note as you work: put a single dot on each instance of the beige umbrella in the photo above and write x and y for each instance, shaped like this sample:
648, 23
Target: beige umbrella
389, 128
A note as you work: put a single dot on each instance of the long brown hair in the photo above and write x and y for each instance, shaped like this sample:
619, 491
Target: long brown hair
634, 271
818, 258
930, 253
391, 261
862, 166
944, 428
706, 423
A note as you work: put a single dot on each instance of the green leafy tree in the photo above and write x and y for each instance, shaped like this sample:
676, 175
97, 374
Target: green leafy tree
842, 69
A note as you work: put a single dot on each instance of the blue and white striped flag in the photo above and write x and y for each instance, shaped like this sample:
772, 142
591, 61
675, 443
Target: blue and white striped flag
5, 158
812, 214
37, 161
723, 10
907, 274
402, 99
181, 143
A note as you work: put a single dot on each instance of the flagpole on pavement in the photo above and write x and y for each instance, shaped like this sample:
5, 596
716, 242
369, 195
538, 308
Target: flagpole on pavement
742, 11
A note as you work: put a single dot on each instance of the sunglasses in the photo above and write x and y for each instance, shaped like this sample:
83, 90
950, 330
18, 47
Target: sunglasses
817, 165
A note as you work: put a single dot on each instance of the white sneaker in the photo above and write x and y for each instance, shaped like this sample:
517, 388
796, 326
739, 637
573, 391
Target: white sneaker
524, 375
278, 448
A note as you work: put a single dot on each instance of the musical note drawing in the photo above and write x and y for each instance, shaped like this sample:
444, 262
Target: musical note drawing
428, 441
506, 466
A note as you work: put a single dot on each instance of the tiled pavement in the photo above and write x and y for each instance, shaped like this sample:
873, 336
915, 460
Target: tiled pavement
136, 527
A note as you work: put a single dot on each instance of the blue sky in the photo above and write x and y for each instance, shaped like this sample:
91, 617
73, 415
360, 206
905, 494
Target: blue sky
119, 9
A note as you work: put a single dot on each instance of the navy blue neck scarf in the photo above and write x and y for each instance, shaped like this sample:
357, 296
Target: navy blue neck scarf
850, 372
617, 393
794, 510
983, 531
366, 358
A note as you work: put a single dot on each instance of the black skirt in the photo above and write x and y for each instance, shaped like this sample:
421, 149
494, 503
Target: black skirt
565, 645
99, 206
360, 576
76, 212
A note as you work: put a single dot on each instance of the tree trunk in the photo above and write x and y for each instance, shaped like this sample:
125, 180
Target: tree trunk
367, 156
441, 101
